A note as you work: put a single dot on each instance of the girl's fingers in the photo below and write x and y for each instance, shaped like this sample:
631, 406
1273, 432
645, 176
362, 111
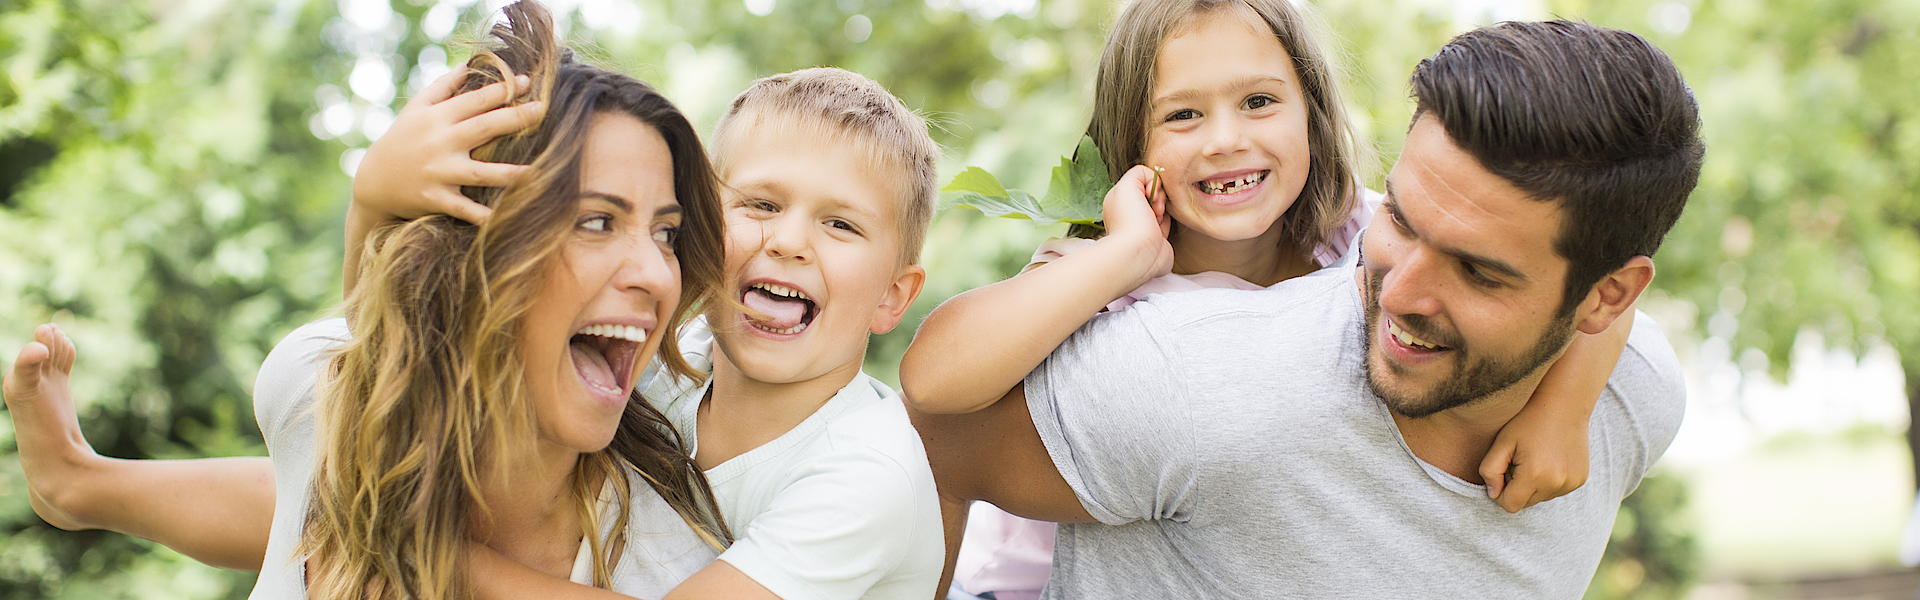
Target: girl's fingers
441, 89
1494, 467
477, 130
460, 207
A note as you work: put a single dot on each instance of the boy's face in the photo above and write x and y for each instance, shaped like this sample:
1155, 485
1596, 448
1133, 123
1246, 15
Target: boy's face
813, 247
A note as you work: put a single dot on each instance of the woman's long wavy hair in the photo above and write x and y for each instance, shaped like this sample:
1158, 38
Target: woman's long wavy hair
431, 389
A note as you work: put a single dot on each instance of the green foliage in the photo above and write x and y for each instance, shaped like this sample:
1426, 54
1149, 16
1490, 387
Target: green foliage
1074, 193
1652, 554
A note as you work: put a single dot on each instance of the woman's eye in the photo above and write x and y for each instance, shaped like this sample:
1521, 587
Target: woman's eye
666, 236
597, 223
1260, 101
1183, 115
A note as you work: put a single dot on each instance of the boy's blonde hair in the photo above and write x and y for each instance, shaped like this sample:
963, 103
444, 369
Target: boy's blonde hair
846, 106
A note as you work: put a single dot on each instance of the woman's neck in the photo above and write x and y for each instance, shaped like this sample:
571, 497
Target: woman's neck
741, 413
535, 519
1263, 260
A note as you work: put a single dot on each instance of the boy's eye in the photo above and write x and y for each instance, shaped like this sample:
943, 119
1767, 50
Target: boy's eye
597, 223
1183, 115
1259, 101
843, 225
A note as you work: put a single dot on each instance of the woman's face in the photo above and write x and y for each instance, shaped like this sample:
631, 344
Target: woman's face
606, 301
1227, 122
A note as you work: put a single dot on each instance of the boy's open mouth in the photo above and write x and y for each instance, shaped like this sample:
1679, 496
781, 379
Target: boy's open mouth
786, 310
1230, 185
603, 356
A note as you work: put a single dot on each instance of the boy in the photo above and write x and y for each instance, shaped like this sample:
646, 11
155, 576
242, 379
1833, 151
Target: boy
829, 188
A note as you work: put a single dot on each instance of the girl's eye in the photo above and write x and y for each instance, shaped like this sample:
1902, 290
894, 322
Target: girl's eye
762, 205
1260, 101
597, 223
1183, 115
666, 236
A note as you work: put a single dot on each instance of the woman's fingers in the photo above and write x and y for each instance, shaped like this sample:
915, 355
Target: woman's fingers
479, 129
458, 206
441, 89
471, 104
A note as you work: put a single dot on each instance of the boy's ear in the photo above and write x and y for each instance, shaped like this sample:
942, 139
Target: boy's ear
1613, 295
900, 295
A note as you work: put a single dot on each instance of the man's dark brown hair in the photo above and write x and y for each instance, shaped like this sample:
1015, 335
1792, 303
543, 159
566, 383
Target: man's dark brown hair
1595, 119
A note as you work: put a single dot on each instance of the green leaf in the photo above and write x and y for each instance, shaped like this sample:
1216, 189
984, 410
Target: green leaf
1074, 192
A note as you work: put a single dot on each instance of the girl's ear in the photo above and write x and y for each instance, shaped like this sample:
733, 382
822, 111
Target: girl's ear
900, 295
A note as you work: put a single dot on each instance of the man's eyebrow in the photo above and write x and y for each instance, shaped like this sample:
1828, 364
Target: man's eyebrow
1391, 206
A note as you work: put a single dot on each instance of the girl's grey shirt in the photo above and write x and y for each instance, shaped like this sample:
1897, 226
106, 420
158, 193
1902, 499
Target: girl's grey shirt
661, 548
1229, 446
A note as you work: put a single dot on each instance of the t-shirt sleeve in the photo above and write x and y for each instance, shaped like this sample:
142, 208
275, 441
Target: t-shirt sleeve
1652, 395
832, 533
283, 391
1110, 407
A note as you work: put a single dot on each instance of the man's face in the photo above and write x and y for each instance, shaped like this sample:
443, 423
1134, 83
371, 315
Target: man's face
1461, 283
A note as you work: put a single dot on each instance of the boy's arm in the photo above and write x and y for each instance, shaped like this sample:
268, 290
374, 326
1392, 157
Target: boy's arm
1544, 447
419, 165
217, 510
979, 344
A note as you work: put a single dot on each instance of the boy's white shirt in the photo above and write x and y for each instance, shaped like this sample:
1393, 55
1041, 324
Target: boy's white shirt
842, 506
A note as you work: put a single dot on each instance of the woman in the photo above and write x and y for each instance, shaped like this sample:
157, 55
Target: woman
486, 390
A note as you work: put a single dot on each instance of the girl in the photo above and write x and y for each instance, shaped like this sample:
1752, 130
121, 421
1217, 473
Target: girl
1233, 104
481, 388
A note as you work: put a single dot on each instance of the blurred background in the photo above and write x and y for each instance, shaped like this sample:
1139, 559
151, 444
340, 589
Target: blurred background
174, 173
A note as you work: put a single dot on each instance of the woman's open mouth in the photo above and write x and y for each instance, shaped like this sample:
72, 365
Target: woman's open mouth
603, 356
781, 309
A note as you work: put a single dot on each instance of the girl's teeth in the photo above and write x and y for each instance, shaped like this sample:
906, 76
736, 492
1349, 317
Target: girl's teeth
1233, 184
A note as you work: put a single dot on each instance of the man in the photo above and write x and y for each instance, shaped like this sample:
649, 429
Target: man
1322, 437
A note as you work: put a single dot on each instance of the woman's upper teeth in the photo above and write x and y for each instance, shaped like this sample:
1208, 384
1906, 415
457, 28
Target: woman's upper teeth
780, 290
1222, 187
619, 332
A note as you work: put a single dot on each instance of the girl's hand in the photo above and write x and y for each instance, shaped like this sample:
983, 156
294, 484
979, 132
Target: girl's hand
1135, 213
418, 166
1535, 458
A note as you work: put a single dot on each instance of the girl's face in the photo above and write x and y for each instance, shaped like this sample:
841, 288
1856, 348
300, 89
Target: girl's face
607, 299
1227, 122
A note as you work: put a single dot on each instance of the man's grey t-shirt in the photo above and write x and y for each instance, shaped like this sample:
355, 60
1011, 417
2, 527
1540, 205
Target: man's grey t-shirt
1228, 445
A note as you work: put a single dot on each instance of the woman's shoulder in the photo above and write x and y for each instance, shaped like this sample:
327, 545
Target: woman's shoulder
284, 387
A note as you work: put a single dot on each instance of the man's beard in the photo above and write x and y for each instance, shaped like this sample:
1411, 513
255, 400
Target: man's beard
1472, 378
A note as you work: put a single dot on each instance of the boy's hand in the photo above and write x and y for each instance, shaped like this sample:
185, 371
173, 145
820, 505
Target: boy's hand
1525, 467
418, 166
53, 453
1135, 213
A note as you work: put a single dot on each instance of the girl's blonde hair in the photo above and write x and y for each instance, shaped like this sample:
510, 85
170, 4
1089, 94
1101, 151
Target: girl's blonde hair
1124, 85
431, 388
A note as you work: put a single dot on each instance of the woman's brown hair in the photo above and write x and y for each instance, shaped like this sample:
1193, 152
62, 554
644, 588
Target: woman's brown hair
1124, 84
430, 391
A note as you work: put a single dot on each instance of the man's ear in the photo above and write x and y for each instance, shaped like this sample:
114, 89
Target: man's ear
900, 295
1613, 295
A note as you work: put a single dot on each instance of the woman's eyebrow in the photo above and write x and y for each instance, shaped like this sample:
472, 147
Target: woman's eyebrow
616, 201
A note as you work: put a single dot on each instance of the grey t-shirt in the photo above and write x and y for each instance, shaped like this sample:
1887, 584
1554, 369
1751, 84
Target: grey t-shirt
1228, 445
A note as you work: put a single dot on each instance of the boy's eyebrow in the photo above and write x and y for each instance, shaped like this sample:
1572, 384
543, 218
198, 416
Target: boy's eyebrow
1243, 82
1391, 205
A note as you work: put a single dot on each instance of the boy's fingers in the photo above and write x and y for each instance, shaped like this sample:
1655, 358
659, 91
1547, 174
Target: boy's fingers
1494, 468
480, 129
1517, 496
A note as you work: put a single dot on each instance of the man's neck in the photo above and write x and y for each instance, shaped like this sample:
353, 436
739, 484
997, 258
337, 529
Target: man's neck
740, 413
1457, 439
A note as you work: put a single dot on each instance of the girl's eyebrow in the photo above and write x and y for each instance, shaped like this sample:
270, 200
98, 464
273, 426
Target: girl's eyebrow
1231, 84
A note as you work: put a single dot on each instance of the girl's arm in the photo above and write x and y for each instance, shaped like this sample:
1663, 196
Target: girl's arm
417, 168
978, 345
215, 510
1543, 450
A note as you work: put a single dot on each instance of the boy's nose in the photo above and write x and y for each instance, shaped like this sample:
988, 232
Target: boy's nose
787, 237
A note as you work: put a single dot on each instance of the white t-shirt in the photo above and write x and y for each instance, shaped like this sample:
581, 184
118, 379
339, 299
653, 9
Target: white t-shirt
840, 507
661, 548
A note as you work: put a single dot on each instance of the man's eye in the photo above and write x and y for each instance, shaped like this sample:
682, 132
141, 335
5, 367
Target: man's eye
597, 223
1478, 277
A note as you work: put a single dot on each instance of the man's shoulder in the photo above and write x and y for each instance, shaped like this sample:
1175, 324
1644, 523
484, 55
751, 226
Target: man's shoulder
1648, 367
1298, 304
